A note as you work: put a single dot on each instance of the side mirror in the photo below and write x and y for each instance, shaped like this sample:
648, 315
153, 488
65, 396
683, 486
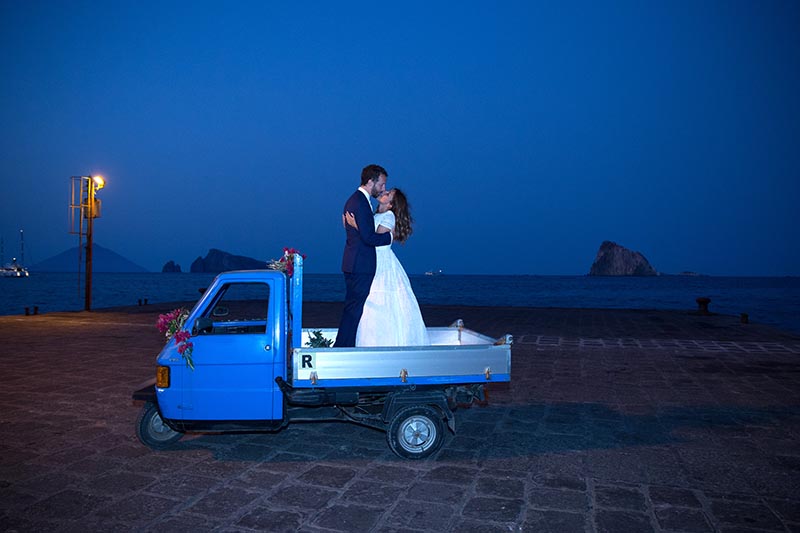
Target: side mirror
203, 324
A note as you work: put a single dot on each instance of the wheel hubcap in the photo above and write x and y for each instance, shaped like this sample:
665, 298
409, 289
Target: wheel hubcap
418, 434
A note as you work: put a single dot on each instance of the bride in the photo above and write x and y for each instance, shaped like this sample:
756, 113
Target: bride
391, 313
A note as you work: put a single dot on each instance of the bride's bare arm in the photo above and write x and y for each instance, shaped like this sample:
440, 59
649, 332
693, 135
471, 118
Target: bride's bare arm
350, 220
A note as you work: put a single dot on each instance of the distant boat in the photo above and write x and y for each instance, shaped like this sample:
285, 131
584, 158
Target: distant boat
434, 272
14, 269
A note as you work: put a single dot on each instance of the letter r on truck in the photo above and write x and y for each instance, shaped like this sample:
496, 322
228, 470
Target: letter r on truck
307, 361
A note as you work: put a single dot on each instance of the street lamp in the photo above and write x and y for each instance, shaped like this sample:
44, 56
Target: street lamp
86, 206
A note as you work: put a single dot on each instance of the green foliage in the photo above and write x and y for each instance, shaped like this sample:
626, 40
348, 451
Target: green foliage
316, 340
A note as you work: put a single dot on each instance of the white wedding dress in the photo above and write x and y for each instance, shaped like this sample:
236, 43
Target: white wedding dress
391, 314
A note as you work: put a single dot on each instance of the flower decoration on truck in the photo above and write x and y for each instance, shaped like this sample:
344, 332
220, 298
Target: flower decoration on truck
285, 263
171, 325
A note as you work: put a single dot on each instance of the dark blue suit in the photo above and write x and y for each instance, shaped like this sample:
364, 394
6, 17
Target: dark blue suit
358, 265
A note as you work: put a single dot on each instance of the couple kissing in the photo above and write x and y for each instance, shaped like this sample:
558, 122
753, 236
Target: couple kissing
380, 308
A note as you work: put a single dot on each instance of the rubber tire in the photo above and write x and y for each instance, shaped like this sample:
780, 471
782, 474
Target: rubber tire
152, 431
416, 432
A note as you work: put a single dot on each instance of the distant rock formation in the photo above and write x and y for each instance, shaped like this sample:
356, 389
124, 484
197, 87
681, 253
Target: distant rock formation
103, 260
615, 260
171, 266
218, 261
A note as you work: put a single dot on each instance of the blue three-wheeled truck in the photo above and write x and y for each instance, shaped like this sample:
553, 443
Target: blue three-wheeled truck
255, 370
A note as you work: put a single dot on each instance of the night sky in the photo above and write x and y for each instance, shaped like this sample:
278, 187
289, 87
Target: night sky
524, 133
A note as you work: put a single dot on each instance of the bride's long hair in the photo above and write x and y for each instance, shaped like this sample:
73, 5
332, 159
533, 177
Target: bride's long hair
402, 215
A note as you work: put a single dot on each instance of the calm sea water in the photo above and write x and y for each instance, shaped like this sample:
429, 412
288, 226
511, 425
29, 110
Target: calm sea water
774, 301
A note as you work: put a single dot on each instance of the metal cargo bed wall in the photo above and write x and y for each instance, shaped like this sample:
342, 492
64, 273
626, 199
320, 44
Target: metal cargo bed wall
459, 356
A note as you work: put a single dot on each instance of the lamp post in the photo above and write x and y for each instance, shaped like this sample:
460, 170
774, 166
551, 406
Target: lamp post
84, 208
93, 184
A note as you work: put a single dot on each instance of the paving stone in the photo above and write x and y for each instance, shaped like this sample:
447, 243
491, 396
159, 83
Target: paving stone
476, 526
560, 482
245, 452
69, 504
82, 525
392, 474
545, 498
181, 485
670, 496
436, 492
611, 465
502, 488
745, 514
465, 457
266, 519
348, 518
287, 463
618, 521
418, 515
455, 475
494, 509
788, 510
620, 497
682, 519
223, 502
302, 497
12, 499
257, 478
138, 508
185, 522
116, 483
542, 521
505, 460
380, 494
328, 476
47, 484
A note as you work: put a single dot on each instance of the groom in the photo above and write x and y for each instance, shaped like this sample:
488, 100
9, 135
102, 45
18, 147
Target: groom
358, 260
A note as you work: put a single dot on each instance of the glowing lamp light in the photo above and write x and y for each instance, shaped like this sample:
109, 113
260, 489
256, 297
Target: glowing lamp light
99, 182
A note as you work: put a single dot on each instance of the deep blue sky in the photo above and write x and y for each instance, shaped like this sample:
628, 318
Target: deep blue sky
524, 133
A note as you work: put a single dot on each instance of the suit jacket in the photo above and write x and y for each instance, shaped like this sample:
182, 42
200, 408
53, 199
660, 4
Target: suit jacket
359, 249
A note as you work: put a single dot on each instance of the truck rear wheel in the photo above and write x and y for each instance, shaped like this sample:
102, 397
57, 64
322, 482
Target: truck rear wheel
416, 432
152, 431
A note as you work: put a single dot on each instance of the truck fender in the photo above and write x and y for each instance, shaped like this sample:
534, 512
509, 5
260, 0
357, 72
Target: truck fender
398, 400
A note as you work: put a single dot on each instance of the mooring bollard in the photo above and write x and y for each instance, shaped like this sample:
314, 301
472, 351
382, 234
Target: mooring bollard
702, 304
145, 301
744, 318
140, 302
27, 311
35, 309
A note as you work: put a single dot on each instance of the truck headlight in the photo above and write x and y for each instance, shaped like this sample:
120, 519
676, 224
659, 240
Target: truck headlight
162, 377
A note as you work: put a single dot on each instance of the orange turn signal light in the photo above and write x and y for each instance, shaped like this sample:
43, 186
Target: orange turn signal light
162, 377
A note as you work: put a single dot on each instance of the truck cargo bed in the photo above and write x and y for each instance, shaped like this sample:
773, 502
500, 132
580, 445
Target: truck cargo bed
456, 355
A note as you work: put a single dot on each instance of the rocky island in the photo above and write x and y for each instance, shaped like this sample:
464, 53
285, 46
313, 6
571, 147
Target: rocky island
615, 260
171, 267
217, 261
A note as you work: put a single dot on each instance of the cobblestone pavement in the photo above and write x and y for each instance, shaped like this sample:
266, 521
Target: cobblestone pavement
619, 421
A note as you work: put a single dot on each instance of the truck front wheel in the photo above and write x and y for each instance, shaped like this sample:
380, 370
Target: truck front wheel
152, 430
416, 432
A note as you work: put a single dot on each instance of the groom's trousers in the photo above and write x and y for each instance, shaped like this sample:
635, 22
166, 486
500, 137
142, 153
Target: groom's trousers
357, 287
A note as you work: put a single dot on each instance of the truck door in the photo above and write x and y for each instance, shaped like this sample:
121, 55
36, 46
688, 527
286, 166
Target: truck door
233, 356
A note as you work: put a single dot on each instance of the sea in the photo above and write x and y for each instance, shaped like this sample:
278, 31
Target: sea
773, 301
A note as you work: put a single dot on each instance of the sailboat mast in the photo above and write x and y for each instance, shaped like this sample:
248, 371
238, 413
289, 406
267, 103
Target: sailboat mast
21, 248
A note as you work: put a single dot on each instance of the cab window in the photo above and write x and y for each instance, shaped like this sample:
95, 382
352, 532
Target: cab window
239, 308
